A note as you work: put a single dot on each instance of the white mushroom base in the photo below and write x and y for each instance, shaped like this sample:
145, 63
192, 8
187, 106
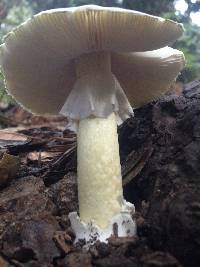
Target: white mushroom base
121, 225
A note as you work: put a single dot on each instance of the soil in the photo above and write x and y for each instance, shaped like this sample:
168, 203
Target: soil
160, 157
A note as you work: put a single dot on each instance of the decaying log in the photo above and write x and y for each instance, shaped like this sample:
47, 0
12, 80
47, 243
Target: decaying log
170, 179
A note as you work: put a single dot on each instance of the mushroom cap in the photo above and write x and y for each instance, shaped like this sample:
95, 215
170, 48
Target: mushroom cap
37, 57
144, 76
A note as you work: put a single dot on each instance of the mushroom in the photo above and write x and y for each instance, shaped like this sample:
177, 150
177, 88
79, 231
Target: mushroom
93, 64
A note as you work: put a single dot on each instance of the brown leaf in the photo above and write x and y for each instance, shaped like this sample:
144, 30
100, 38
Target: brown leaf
43, 156
8, 138
9, 166
118, 241
3, 263
63, 241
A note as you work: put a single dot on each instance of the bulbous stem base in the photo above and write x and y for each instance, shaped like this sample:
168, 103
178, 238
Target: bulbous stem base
121, 225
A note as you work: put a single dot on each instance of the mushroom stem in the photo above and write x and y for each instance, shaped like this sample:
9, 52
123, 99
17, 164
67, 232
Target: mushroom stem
99, 171
101, 102
102, 208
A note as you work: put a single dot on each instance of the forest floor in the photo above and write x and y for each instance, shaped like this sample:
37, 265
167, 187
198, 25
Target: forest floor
160, 157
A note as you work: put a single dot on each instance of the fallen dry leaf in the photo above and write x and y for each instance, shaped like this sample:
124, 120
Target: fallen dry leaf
63, 241
9, 166
3, 263
8, 138
43, 156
